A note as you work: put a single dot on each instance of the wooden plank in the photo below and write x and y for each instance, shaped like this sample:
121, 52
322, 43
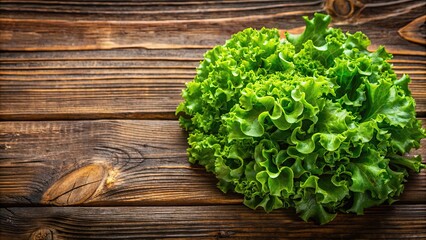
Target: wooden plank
139, 162
122, 84
121, 162
206, 222
31, 35
156, 10
131, 83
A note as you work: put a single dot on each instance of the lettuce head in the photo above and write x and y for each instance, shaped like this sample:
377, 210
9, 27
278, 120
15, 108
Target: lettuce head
314, 122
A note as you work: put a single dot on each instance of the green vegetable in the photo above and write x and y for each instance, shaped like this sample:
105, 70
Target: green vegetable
313, 121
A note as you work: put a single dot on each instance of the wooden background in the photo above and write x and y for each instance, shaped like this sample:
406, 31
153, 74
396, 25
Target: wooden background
90, 147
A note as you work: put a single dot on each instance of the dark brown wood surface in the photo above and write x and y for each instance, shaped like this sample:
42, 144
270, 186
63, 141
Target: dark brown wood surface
90, 147
213, 222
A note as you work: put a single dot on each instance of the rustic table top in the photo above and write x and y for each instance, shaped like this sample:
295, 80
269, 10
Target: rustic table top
89, 143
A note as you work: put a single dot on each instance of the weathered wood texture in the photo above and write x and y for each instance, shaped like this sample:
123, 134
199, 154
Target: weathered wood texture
133, 162
114, 163
131, 59
212, 222
85, 177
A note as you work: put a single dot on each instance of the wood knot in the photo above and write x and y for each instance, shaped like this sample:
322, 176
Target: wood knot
42, 234
415, 31
343, 9
224, 234
77, 186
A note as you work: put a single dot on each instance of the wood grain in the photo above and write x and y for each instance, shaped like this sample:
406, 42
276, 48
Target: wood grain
121, 162
131, 162
118, 84
130, 61
24, 28
207, 222
156, 10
